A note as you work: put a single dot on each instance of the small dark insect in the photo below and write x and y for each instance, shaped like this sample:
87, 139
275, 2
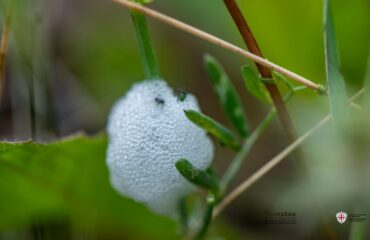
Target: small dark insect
181, 94
159, 101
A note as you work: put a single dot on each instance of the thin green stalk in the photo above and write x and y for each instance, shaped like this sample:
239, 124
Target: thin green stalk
248, 144
207, 218
183, 212
151, 66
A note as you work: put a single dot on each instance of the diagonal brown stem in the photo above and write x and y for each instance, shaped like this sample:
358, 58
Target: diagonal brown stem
265, 72
247, 34
4, 43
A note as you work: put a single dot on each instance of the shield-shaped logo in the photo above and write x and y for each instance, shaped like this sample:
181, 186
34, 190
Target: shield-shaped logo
341, 217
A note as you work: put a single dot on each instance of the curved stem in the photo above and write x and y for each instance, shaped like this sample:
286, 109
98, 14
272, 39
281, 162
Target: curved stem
148, 57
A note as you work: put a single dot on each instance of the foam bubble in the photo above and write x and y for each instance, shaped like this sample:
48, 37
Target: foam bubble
148, 132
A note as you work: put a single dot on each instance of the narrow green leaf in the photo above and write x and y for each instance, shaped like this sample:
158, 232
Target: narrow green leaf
228, 97
214, 128
335, 80
254, 84
204, 179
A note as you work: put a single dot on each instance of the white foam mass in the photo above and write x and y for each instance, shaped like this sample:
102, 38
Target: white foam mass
148, 132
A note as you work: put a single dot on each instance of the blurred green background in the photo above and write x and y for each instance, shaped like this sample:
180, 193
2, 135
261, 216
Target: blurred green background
70, 60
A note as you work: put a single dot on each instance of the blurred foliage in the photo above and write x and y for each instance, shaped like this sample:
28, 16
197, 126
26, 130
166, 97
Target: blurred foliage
69, 179
63, 190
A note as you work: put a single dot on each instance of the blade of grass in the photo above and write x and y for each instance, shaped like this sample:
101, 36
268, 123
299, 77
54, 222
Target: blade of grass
224, 135
227, 95
151, 67
335, 80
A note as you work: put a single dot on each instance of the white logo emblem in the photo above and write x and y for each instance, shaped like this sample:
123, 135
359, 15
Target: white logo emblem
341, 217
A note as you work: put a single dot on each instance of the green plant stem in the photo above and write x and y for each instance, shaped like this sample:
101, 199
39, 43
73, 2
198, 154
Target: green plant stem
183, 212
148, 57
235, 165
207, 218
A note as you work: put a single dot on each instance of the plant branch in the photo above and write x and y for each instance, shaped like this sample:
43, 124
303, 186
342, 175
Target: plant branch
245, 185
4, 45
219, 42
265, 72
